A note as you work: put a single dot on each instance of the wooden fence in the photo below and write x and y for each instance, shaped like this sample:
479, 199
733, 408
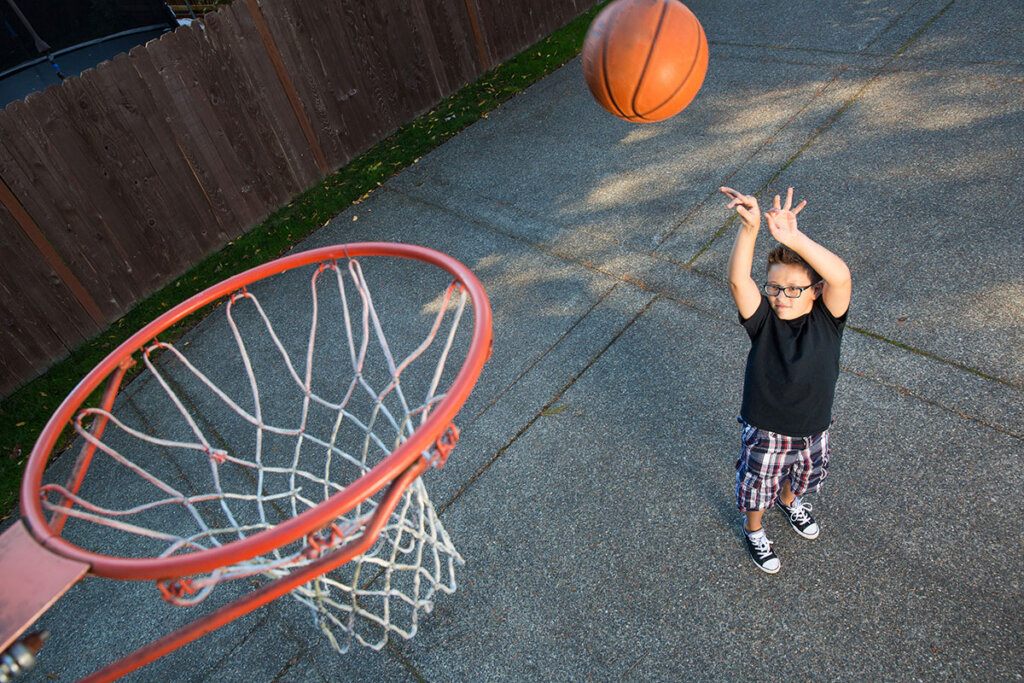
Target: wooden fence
116, 182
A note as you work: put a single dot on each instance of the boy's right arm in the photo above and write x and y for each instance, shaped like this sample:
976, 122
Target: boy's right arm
745, 291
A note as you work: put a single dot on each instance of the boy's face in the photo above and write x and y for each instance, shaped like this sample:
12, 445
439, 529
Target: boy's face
787, 275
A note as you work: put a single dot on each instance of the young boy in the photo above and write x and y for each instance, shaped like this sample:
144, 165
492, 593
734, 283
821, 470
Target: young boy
795, 328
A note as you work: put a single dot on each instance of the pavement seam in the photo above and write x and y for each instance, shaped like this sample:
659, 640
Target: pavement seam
932, 356
768, 140
554, 399
546, 249
922, 29
544, 355
892, 24
800, 62
288, 665
404, 661
212, 669
907, 392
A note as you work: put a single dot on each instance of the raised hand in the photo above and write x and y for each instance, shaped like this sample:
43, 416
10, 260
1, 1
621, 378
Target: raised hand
782, 219
745, 205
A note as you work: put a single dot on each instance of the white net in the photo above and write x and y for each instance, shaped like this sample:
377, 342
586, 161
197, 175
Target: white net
242, 436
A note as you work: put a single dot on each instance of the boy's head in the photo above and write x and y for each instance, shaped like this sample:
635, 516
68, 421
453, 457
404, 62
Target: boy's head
787, 269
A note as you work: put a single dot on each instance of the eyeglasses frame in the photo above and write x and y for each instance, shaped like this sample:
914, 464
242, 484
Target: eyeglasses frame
784, 290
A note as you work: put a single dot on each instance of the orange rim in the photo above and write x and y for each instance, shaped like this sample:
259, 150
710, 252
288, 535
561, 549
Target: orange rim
310, 520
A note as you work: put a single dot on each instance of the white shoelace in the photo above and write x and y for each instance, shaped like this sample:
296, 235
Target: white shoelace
762, 545
800, 513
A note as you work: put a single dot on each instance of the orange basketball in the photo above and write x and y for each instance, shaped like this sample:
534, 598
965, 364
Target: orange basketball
645, 60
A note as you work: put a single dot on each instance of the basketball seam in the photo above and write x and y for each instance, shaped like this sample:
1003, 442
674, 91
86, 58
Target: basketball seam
647, 62
696, 58
605, 39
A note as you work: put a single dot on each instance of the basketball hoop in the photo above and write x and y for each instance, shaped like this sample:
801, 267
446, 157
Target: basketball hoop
292, 452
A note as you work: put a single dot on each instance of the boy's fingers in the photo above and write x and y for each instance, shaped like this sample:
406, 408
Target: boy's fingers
800, 206
741, 201
789, 198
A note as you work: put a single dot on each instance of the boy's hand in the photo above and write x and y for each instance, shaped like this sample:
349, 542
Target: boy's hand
745, 205
782, 219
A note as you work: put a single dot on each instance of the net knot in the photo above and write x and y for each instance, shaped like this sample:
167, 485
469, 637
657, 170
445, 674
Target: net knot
173, 590
218, 454
319, 542
443, 446
326, 265
242, 293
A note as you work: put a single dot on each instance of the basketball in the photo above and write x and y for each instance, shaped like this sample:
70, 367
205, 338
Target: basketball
645, 60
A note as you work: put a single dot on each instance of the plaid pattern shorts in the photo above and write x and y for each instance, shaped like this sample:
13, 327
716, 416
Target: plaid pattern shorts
767, 459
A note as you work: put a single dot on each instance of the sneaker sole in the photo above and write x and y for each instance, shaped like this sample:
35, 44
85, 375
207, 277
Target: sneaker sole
802, 534
764, 569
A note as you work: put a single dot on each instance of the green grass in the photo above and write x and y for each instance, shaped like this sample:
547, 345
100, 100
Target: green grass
25, 412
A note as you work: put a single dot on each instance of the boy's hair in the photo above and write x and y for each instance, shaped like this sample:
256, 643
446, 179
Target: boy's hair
785, 255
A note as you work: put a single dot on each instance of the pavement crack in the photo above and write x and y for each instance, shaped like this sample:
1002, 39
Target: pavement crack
906, 392
405, 661
554, 399
543, 355
932, 356
211, 672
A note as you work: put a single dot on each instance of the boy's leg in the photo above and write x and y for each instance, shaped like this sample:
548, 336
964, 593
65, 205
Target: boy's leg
758, 472
753, 520
786, 495
758, 545
806, 475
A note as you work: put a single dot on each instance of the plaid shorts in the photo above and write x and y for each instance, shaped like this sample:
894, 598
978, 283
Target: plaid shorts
767, 459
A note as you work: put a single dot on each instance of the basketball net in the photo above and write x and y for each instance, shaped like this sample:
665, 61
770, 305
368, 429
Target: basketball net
379, 593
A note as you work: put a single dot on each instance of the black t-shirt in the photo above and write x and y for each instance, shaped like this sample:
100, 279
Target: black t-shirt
792, 370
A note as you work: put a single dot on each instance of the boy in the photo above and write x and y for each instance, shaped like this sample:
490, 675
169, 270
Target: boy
795, 330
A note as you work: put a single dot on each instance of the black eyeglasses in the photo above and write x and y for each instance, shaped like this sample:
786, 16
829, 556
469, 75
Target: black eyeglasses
790, 292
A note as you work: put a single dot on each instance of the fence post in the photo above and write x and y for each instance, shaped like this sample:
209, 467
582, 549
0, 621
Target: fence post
481, 45
286, 83
50, 254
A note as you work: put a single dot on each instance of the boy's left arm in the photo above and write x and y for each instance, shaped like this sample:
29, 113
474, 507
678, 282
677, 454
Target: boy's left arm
835, 292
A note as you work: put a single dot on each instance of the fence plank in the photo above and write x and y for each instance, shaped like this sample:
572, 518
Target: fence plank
40, 319
121, 160
212, 95
180, 61
164, 180
237, 112
34, 168
254, 22
449, 22
85, 141
157, 68
411, 55
42, 247
283, 154
332, 82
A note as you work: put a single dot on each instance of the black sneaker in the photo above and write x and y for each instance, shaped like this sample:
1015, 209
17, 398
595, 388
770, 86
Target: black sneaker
760, 549
800, 519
